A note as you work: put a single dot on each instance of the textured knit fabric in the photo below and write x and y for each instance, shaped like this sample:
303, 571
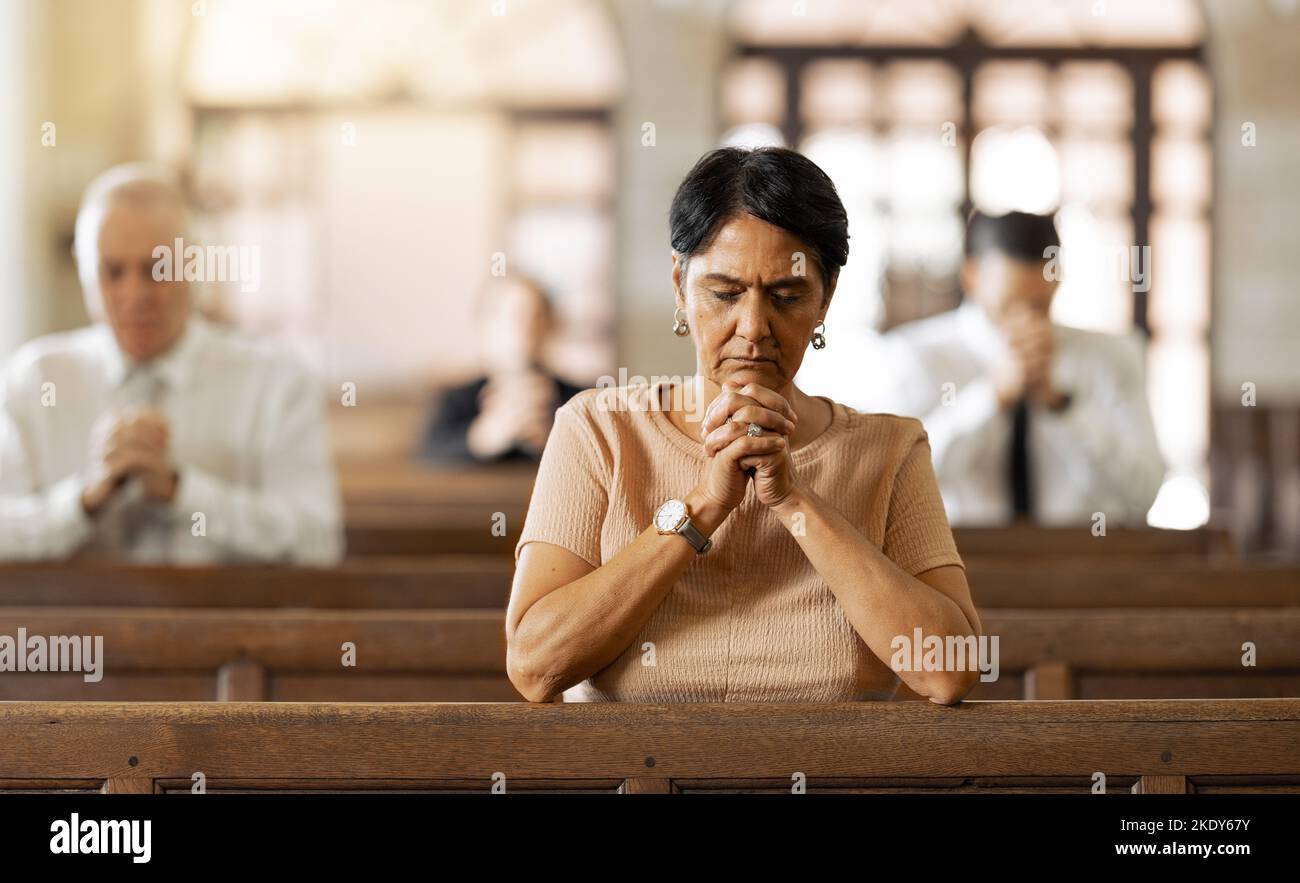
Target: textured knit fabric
750, 620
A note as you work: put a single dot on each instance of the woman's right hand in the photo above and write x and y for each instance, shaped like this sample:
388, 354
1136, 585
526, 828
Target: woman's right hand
726, 442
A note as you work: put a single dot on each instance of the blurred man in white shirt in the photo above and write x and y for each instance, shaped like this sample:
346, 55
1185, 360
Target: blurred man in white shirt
1027, 419
152, 436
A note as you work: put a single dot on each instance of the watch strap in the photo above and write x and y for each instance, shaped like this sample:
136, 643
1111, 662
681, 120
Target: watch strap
693, 536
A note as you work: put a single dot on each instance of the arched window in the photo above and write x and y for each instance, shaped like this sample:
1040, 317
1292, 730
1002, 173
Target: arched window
922, 110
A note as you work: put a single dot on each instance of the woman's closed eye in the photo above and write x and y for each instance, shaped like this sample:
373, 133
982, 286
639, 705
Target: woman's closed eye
781, 297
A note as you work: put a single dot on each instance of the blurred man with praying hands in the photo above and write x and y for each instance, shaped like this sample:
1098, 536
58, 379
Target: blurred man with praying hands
1028, 420
152, 436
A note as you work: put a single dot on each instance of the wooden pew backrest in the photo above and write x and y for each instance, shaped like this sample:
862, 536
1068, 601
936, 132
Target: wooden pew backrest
978, 747
450, 655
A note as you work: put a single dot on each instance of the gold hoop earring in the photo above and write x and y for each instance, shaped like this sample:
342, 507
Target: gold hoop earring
680, 328
819, 337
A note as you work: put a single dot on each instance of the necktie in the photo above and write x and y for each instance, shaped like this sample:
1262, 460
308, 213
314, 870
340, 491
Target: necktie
145, 528
1021, 477
143, 386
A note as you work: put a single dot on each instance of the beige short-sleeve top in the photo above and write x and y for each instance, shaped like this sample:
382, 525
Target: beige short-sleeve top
751, 620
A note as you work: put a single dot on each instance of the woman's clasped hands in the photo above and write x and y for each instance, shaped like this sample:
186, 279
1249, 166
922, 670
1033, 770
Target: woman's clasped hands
737, 455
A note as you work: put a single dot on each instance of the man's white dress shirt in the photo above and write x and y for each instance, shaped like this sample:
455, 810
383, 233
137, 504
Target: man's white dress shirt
1099, 454
247, 438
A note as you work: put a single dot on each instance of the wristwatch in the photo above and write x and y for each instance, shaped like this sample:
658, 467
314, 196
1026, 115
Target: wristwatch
673, 517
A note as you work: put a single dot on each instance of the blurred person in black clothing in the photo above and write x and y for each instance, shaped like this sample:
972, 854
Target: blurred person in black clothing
506, 414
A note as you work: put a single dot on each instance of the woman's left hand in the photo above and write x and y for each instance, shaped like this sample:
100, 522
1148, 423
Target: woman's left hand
773, 474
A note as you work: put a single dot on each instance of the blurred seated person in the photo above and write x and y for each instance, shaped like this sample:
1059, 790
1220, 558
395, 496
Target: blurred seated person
505, 415
1028, 419
152, 436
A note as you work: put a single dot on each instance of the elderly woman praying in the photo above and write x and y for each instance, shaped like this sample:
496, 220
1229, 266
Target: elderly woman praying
766, 546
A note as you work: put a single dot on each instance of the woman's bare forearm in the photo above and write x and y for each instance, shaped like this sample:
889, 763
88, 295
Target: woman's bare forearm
881, 600
576, 630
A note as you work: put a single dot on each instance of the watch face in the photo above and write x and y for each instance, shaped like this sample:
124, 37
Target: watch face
670, 515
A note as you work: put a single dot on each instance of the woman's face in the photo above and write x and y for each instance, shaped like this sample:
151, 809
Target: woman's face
752, 300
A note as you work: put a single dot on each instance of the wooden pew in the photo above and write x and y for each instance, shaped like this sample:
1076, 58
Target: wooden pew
1143, 747
446, 655
475, 581
1086, 631
1056, 543
1147, 654
411, 482
396, 507
1128, 584
172, 654
448, 581
402, 507
457, 530
405, 508
417, 529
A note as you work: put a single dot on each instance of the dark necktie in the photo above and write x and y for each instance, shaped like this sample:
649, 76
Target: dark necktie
1021, 490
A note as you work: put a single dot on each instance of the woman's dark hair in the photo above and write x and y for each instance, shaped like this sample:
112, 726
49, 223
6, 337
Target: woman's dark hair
776, 185
1018, 235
